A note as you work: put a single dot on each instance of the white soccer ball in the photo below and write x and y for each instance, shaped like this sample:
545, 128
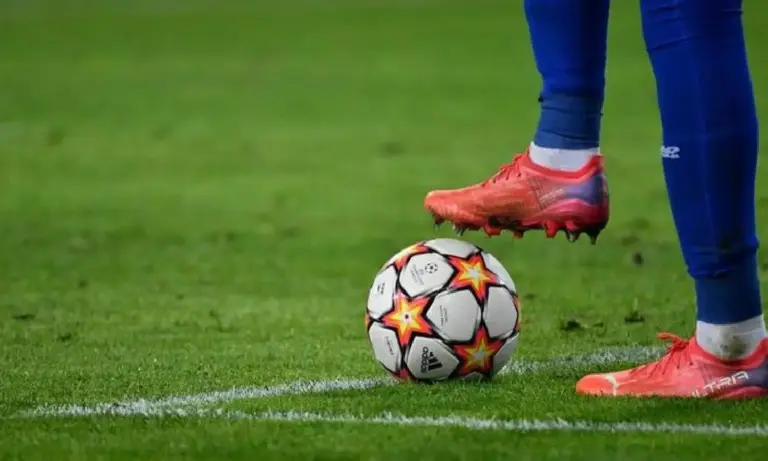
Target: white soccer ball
443, 309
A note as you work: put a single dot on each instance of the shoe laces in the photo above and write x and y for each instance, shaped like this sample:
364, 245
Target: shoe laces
678, 353
511, 169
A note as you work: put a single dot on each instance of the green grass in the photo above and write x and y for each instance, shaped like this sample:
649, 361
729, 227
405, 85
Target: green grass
196, 197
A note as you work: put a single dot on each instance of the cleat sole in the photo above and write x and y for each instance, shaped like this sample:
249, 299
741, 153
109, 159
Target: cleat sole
572, 228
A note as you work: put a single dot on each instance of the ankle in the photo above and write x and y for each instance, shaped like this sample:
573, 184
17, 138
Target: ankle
733, 341
561, 159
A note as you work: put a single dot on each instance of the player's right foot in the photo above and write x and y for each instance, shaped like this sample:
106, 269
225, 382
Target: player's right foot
686, 370
523, 195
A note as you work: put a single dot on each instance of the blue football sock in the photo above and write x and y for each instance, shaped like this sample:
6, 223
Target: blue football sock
569, 40
710, 141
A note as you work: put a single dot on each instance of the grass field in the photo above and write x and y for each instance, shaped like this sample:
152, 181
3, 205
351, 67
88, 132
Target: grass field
195, 196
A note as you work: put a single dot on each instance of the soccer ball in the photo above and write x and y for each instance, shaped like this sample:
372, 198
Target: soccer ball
443, 309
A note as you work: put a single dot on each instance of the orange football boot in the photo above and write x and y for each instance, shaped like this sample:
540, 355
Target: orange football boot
686, 370
523, 195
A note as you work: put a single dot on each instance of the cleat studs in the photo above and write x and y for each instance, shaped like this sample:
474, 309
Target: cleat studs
550, 229
518, 234
459, 230
572, 236
593, 234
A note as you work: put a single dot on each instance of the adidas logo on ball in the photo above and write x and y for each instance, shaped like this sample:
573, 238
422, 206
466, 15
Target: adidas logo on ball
429, 361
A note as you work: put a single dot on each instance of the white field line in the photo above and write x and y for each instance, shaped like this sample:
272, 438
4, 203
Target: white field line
594, 359
518, 425
150, 407
515, 425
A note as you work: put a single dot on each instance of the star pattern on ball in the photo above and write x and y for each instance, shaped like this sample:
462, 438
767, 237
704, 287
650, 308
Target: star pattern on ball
407, 318
472, 273
478, 356
401, 259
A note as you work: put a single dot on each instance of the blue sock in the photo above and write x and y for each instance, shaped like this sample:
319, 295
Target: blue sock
569, 40
710, 148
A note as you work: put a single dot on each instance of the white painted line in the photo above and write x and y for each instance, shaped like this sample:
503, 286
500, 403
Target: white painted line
515, 425
595, 359
146, 406
150, 407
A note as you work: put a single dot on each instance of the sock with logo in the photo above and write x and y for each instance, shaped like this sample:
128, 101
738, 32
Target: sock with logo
569, 39
710, 134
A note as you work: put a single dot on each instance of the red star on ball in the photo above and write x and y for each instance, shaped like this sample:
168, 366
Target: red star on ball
407, 318
478, 356
472, 273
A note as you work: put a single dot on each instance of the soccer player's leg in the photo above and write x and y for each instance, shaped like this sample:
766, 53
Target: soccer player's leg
558, 183
710, 156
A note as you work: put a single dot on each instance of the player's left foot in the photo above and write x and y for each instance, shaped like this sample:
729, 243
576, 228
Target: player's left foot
686, 370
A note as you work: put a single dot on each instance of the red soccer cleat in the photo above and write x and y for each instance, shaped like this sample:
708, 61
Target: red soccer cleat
685, 370
523, 196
